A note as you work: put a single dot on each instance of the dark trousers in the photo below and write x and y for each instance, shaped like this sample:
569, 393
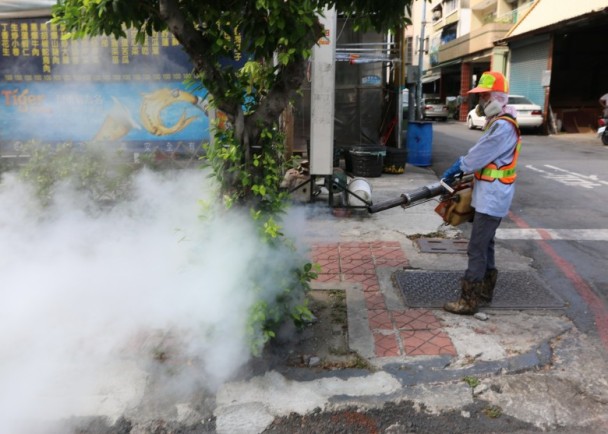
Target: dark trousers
481, 247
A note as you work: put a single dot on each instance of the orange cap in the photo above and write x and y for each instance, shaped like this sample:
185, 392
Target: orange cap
491, 81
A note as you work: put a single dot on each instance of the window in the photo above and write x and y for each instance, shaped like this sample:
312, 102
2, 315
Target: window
437, 13
409, 50
449, 6
449, 33
519, 100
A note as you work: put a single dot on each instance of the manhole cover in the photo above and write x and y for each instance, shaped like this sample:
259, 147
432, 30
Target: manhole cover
514, 289
441, 245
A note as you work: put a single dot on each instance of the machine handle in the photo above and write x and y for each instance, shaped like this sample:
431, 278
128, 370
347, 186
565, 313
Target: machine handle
446, 185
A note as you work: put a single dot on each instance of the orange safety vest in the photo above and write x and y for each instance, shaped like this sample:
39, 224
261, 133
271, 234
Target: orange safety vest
505, 174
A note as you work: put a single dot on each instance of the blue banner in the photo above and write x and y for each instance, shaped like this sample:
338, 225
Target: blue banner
56, 90
150, 115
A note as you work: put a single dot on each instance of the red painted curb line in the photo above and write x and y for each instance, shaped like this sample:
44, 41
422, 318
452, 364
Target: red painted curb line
600, 314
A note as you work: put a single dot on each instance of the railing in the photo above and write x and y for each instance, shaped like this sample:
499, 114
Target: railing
369, 52
510, 17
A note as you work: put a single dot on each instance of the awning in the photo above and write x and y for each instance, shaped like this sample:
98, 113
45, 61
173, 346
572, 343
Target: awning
25, 8
447, 63
430, 78
545, 14
24, 5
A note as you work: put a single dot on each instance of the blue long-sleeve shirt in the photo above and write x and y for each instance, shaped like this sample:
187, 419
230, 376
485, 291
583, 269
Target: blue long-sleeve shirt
496, 145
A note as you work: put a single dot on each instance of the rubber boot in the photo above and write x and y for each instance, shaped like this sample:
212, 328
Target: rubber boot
487, 290
469, 299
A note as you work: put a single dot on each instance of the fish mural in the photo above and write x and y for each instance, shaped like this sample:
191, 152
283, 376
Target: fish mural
154, 103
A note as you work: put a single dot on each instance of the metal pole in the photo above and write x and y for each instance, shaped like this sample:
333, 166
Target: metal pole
420, 65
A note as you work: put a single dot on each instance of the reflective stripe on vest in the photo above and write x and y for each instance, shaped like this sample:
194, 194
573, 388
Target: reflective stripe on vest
505, 174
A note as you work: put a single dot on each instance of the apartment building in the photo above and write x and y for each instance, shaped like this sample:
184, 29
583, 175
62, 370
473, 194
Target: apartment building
552, 51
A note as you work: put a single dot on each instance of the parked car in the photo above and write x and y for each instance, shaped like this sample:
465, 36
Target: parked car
434, 108
529, 115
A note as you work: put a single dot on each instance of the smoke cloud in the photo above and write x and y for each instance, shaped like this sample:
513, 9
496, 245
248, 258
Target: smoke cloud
94, 305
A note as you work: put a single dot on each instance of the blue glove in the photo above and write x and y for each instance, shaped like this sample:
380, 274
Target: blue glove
453, 171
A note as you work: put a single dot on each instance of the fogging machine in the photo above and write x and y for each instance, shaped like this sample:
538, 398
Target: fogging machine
454, 202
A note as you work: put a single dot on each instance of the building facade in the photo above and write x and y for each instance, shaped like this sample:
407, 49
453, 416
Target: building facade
533, 42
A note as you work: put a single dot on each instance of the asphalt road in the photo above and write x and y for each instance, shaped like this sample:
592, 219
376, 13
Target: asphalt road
559, 216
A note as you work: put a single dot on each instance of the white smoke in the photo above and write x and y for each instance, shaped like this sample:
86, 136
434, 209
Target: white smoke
90, 303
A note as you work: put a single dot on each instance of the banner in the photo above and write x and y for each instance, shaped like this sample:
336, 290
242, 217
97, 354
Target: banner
137, 116
97, 89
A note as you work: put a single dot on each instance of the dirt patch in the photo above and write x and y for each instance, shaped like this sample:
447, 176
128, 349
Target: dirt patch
401, 418
323, 343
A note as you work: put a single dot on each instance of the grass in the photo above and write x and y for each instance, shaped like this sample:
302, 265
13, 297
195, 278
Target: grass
472, 382
493, 411
338, 307
436, 234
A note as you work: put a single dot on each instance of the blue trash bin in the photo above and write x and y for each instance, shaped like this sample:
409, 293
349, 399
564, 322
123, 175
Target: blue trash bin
419, 143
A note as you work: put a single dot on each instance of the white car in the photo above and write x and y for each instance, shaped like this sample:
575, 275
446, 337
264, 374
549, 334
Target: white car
529, 115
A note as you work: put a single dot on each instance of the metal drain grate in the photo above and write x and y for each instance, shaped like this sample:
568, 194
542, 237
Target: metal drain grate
514, 289
441, 245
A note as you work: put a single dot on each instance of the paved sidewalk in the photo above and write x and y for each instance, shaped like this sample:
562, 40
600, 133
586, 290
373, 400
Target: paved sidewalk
396, 331
360, 252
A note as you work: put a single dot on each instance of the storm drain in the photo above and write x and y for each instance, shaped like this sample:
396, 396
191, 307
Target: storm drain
514, 290
441, 245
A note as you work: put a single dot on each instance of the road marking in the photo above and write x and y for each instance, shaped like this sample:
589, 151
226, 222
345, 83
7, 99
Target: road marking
596, 305
553, 234
567, 177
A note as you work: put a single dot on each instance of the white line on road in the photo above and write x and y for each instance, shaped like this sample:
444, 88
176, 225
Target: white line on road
567, 177
553, 234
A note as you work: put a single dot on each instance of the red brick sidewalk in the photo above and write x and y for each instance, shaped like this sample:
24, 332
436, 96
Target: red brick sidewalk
404, 332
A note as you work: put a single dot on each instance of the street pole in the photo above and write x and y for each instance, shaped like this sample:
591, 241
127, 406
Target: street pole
420, 65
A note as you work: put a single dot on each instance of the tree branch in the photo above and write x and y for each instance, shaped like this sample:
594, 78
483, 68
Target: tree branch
289, 81
196, 46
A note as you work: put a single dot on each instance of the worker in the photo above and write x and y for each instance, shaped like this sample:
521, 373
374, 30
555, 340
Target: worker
492, 159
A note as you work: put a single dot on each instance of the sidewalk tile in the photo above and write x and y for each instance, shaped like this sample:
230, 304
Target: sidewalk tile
386, 345
357, 266
389, 256
403, 263
355, 244
388, 253
379, 319
325, 251
415, 319
382, 244
369, 282
332, 277
329, 266
356, 252
427, 343
374, 300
